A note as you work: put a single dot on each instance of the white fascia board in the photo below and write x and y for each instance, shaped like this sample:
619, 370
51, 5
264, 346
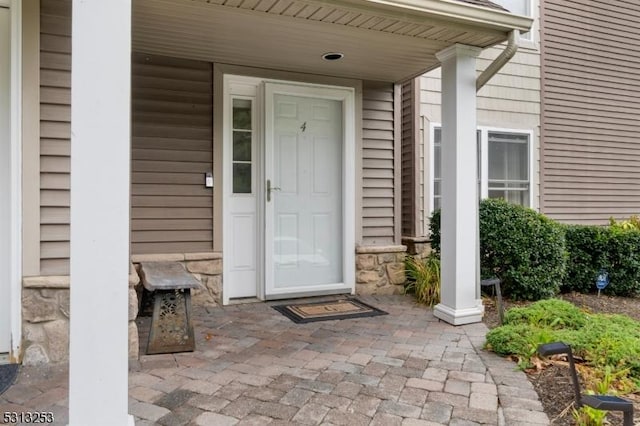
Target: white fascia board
465, 14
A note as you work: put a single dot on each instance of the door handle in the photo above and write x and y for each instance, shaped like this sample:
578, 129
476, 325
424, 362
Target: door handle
270, 188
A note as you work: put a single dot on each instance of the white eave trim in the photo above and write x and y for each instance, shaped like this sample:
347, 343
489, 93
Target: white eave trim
463, 13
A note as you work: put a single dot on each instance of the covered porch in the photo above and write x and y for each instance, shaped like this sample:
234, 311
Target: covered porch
252, 365
275, 47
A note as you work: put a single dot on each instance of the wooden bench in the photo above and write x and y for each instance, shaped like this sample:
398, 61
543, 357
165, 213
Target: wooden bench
171, 325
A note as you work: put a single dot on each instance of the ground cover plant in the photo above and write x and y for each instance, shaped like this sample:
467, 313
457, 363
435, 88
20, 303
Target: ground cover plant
607, 347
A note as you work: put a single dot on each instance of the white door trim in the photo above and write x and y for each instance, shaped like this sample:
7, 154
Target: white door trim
347, 97
15, 295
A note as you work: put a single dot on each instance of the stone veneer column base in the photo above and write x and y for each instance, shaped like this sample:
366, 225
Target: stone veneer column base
380, 269
45, 319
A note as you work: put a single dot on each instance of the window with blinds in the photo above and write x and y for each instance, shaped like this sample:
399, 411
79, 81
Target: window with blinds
502, 173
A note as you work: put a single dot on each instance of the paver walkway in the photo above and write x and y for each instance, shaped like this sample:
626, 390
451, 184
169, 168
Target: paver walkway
254, 366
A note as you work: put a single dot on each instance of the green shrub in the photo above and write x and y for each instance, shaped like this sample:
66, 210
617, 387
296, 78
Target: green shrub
588, 248
632, 223
614, 249
423, 279
523, 248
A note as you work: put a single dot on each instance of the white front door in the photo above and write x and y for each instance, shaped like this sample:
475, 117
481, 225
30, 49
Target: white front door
304, 211
5, 179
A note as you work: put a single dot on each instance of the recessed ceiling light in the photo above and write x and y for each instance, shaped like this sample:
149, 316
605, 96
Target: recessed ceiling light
332, 56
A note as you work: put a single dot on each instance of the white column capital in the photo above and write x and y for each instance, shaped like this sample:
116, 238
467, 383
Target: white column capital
458, 51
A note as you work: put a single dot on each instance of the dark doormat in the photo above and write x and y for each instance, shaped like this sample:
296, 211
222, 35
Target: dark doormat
8, 374
301, 313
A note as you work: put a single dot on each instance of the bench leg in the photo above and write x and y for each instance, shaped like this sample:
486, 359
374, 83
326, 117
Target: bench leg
171, 326
499, 301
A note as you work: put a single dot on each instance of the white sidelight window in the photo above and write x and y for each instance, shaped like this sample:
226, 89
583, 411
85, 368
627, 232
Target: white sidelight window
504, 165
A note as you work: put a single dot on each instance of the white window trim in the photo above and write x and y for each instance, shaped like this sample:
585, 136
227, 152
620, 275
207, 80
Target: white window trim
484, 161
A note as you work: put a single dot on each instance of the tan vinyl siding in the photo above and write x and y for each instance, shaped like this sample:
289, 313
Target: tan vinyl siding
172, 131
591, 98
510, 100
379, 155
55, 133
412, 210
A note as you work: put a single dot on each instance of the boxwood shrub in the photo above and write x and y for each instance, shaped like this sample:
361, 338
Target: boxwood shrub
614, 249
525, 249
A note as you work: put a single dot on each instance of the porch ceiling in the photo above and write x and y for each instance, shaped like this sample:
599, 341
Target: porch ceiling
381, 40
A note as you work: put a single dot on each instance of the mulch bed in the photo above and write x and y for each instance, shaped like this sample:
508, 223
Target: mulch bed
553, 383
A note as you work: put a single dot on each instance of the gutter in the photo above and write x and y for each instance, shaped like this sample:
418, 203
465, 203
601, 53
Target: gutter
469, 15
500, 61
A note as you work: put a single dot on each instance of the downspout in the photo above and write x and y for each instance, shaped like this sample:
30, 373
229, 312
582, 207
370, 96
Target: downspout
500, 61
487, 74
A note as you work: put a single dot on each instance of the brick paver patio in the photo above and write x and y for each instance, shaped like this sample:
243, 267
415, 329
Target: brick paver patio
253, 366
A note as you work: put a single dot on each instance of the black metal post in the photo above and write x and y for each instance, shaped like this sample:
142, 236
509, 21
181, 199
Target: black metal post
574, 377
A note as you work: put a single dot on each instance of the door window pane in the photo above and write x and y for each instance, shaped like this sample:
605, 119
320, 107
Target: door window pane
242, 114
243, 136
241, 178
241, 146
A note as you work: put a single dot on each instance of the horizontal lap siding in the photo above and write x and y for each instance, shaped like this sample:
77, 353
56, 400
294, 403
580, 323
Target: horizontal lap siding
378, 160
55, 134
591, 115
412, 209
172, 131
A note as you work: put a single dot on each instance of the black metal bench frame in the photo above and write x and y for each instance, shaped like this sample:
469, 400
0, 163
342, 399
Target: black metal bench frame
171, 325
495, 283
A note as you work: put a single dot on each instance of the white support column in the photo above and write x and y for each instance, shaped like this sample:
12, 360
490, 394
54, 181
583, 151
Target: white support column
100, 151
459, 301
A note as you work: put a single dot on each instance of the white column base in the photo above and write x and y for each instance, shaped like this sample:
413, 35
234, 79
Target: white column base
131, 421
459, 316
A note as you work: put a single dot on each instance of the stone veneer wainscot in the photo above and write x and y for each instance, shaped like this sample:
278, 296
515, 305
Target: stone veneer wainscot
380, 269
45, 319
